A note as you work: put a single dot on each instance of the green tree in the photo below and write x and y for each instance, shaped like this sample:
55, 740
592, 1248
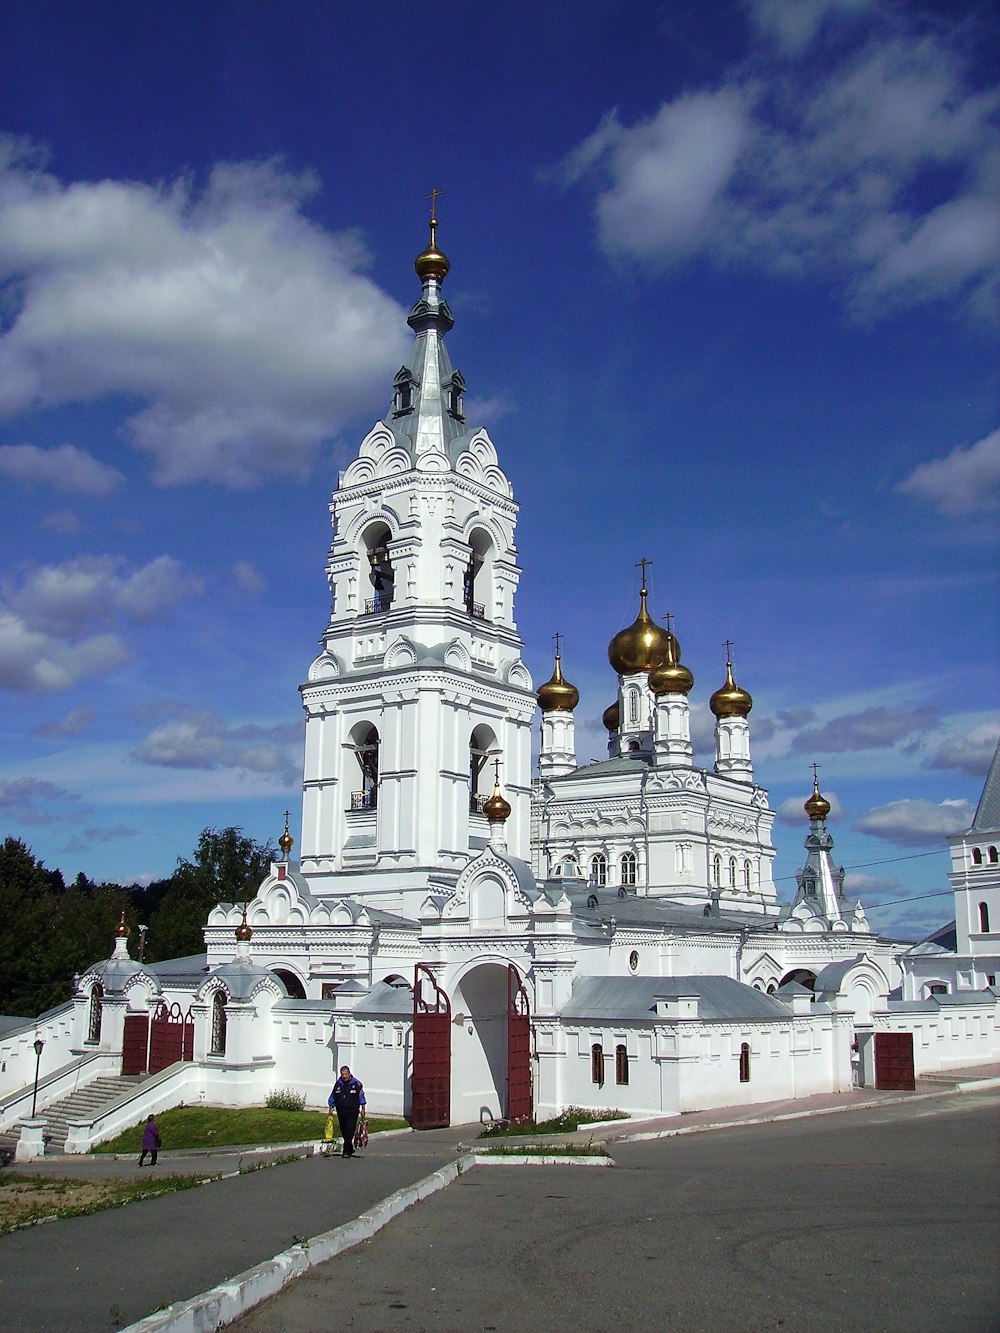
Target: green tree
227, 866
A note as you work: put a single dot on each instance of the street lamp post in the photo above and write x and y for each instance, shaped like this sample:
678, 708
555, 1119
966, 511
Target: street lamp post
39, 1047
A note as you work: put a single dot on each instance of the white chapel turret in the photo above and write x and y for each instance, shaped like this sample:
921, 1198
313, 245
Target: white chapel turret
731, 706
420, 683
671, 684
557, 699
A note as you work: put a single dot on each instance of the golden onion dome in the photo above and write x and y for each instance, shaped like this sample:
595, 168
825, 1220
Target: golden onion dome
431, 263
641, 647
672, 677
817, 807
612, 716
244, 931
557, 695
730, 700
121, 930
495, 808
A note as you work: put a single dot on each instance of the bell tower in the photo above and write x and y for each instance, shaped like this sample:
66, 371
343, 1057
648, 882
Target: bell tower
419, 689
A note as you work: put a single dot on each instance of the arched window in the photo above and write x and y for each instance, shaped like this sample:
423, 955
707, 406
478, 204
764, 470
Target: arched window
633, 706
482, 748
621, 1066
937, 988
717, 871
732, 872
218, 1043
747, 875
599, 869
745, 1062
772, 988
984, 917
977, 856
366, 749
628, 868
478, 575
380, 571
992, 853
94, 1014
597, 1064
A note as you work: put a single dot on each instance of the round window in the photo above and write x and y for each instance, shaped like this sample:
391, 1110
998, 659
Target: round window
633, 961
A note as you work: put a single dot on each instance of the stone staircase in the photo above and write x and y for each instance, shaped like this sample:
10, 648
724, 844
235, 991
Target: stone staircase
86, 1101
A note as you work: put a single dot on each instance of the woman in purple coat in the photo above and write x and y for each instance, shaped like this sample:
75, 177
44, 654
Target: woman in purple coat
150, 1142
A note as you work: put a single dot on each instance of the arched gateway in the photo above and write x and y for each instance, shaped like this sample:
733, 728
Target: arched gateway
472, 1055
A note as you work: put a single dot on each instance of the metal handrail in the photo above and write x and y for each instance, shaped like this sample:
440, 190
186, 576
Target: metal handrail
382, 601
364, 800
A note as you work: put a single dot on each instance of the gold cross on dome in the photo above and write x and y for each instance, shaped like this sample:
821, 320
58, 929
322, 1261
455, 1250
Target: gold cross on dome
433, 197
496, 771
557, 637
669, 618
728, 645
642, 564
815, 769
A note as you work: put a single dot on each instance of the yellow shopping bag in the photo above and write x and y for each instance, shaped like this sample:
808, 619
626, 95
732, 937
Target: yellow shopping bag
328, 1134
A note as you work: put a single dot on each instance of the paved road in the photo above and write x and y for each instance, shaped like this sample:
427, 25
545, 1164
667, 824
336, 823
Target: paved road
871, 1220
113, 1268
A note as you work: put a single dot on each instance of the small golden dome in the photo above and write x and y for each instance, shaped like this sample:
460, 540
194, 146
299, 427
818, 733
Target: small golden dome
495, 808
672, 677
730, 700
244, 931
431, 263
121, 931
612, 716
557, 695
817, 807
286, 842
641, 647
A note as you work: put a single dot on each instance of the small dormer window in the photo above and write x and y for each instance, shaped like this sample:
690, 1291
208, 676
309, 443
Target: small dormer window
809, 886
455, 396
404, 386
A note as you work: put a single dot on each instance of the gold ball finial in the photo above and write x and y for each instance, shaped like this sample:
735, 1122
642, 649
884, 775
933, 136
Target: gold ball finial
495, 808
286, 842
244, 931
121, 931
643, 645
730, 700
557, 695
672, 677
817, 807
431, 263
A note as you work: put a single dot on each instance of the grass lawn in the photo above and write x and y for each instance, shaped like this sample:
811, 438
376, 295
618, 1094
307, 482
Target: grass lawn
567, 1122
26, 1198
223, 1127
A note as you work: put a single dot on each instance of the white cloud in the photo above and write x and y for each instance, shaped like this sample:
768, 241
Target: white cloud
247, 577
875, 166
75, 723
487, 411
89, 592
30, 800
966, 481
62, 521
65, 468
199, 739
916, 823
31, 661
874, 728
793, 25
969, 753
248, 332
792, 811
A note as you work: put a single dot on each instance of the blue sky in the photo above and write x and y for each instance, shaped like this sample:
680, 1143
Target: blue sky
724, 277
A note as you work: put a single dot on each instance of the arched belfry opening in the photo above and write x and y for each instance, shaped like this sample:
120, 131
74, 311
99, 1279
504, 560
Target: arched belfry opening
483, 750
292, 984
380, 574
478, 582
365, 744
803, 976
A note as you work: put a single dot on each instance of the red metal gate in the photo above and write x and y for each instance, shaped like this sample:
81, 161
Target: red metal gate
430, 1084
171, 1037
894, 1060
519, 1105
135, 1044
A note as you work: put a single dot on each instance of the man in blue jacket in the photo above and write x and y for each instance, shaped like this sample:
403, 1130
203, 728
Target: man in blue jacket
348, 1100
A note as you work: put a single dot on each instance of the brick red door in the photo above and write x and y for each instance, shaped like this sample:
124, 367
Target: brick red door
135, 1044
430, 1083
518, 1048
171, 1037
894, 1061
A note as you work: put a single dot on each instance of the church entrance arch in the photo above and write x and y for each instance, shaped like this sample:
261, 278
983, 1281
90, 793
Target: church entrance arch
491, 1070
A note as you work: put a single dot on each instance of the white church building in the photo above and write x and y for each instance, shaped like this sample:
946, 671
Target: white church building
478, 943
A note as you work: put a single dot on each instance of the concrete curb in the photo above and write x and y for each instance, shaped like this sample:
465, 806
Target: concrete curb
536, 1159
227, 1301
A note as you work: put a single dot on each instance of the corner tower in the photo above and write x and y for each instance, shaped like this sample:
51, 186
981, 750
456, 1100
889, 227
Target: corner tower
420, 685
